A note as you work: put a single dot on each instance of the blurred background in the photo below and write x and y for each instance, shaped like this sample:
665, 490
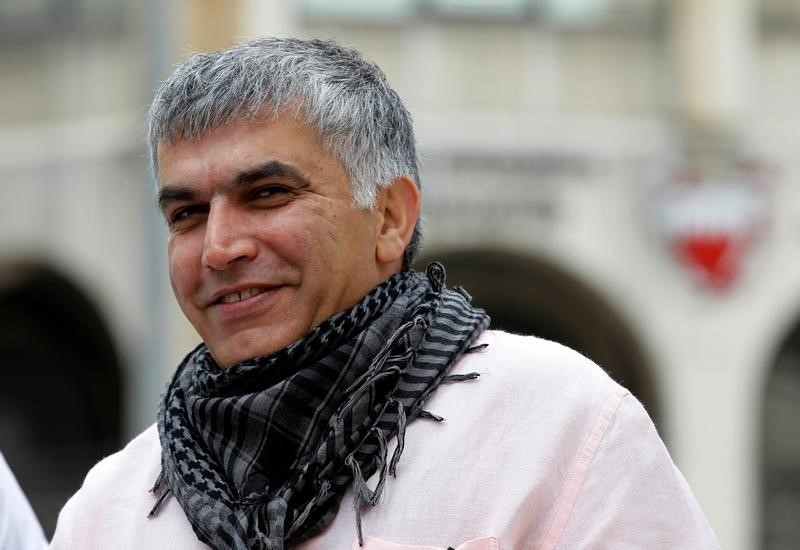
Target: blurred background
619, 175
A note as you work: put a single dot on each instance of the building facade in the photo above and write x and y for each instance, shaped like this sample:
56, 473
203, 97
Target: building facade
620, 176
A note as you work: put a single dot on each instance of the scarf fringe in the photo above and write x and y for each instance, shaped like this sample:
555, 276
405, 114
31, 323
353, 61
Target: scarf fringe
383, 356
476, 348
382, 463
361, 494
160, 481
393, 370
461, 377
401, 438
303, 516
160, 486
427, 415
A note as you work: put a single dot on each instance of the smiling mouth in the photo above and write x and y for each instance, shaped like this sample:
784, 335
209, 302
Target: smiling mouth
240, 296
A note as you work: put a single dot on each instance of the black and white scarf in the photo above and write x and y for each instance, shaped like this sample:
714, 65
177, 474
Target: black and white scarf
259, 455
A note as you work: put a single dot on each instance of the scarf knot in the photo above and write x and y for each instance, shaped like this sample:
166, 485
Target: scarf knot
436, 276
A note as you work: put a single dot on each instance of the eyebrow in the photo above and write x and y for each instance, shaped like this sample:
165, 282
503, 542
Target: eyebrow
267, 170
175, 193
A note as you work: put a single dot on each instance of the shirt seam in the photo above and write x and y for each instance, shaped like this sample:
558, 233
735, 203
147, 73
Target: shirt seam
580, 469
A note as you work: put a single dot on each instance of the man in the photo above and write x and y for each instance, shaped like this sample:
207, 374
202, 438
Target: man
309, 416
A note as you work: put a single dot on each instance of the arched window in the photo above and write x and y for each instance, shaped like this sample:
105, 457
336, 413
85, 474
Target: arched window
60, 396
780, 473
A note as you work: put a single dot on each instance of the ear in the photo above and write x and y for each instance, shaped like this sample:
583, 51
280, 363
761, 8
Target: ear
399, 204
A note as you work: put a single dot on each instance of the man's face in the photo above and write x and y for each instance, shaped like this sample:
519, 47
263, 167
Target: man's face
264, 240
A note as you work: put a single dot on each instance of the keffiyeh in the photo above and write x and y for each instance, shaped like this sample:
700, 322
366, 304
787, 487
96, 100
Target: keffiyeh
259, 455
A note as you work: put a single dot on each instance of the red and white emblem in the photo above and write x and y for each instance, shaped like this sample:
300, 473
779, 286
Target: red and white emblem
711, 223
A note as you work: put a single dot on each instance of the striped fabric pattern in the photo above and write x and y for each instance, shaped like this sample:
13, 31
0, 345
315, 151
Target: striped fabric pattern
260, 454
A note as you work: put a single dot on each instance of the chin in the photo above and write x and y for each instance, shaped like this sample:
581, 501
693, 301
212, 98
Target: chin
238, 350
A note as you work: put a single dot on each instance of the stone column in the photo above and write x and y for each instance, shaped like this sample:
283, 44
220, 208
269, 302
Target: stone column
714, 45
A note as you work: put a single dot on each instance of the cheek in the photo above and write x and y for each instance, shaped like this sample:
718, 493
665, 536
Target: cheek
184, 267
300, 240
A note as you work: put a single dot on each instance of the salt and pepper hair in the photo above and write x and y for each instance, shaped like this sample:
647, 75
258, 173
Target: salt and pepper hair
356, 114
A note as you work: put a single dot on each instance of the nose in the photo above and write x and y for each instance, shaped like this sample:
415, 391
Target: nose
227, 240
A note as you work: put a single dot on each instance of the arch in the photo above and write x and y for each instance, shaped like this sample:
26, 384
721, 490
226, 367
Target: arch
528, 295
61, 396
780, 447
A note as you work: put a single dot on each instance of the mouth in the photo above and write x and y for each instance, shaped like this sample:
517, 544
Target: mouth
240, 296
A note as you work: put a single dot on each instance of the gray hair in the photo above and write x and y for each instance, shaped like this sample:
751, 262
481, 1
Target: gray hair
357, 115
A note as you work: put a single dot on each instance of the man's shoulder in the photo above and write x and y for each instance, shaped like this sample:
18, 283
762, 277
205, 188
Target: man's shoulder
532, 379
111, 508
538, 363
130, 471
141, 454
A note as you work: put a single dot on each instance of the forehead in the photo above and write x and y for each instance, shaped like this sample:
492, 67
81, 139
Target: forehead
242, 145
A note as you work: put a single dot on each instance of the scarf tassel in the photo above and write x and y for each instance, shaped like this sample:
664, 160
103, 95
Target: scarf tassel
303, 516
361, 494
160, 486
401, 439
382, 464
476, 348
427, 415
383, 356
366, 387
461, 377
378, 369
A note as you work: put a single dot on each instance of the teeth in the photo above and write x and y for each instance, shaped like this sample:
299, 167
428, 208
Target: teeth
239, 296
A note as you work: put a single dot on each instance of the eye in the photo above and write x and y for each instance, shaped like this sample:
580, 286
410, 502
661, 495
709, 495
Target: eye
271, 195
185, 213
269, 191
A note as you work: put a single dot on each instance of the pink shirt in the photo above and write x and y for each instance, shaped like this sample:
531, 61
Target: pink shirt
542, 451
